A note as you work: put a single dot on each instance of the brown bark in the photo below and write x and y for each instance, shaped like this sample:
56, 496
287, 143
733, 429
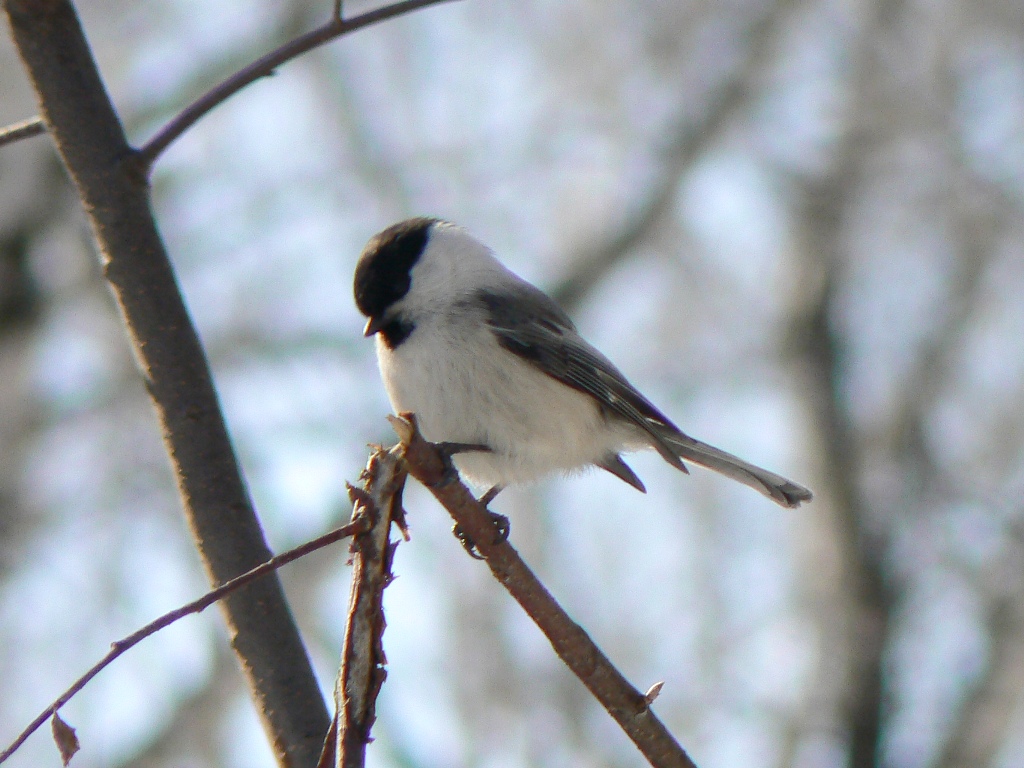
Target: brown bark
115, 194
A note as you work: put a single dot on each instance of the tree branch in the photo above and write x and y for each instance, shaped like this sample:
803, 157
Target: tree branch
265, 66
114, 190
630, 708
356, 526
362, 670
869, 598
34, 126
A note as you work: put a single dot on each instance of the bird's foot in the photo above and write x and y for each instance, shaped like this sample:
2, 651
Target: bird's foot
502, 526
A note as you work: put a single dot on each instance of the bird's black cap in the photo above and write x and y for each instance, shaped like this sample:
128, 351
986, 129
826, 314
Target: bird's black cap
383, 272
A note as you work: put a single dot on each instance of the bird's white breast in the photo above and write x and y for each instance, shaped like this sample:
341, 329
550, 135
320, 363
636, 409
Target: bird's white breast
466, 388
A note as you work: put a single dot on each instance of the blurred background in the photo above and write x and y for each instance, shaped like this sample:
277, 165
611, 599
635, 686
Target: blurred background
795, 224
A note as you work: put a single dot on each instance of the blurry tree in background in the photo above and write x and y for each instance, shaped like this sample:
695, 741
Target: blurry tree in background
797, 225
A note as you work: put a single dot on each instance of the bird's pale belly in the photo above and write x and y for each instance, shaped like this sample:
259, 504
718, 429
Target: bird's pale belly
533, 424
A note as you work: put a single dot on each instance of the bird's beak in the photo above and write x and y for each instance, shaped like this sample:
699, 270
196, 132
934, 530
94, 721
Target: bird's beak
373, 325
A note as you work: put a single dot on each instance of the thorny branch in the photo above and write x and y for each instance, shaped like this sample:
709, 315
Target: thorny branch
630, 708
363, 661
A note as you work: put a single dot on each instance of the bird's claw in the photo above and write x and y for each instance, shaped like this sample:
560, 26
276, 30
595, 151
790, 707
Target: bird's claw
502, 528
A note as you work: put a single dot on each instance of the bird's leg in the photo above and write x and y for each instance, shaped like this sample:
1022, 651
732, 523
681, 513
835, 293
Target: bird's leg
488, 497
449, 449
501, 524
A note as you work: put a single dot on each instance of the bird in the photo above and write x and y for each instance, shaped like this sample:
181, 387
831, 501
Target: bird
490, 363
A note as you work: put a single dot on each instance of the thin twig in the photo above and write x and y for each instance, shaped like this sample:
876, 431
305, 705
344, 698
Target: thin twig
34, 126
356, 526
264, 67
362, 671
628, 706
337, 9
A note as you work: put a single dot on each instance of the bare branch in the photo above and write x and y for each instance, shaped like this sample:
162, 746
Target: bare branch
265, 66
866, 609
356, 526
114, 190
362, 670
628, 706
34, 126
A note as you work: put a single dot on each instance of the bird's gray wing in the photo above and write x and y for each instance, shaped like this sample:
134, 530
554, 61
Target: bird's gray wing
530, 325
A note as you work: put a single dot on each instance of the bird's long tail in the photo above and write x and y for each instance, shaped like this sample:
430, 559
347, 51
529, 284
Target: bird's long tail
775, 487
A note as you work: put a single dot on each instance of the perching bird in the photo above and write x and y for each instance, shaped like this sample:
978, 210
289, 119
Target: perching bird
484, 358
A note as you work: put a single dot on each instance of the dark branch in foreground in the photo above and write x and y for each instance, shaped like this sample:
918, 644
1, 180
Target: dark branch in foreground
34, 126
115, 194
265, 66
630, 708
356, 527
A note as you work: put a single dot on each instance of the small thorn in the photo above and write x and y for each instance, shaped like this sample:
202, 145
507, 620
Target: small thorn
359, 496
403, 427
400, 520
653, 692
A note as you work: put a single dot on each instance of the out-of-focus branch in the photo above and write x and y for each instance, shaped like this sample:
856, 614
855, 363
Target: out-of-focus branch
355, 527
362, 670
34, 126
113, 187
691, 138
157, 108
977, 212
989, 710
193, 727
870, 602
630, 708
265, 66
865, 611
